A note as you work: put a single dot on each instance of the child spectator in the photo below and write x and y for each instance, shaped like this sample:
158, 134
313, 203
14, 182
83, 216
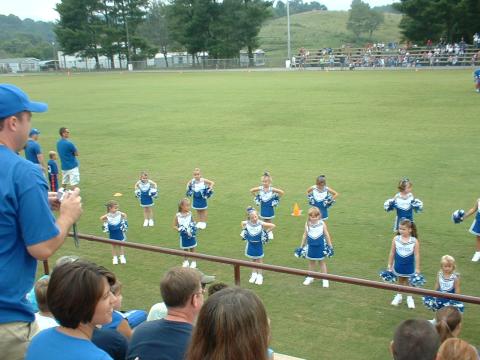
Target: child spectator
43, 317
456, 349
448, 322
53, 171
118, 322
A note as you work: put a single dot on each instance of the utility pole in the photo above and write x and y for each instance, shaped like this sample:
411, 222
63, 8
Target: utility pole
289, 50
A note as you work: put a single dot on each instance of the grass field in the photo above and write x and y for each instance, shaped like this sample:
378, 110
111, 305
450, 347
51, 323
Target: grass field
364, 130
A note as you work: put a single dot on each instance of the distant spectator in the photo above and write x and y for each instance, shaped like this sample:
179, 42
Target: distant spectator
212, 289
33, 150
237, 321
415, 340
457, 349
44, 317
448, 322
110, 341
118, 322
168, 338
79, 297
53, 171
68, 156
476, 40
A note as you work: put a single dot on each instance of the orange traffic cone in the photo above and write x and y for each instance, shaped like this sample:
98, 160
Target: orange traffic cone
296, 210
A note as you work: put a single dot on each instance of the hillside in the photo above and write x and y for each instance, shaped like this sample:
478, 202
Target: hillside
318, 29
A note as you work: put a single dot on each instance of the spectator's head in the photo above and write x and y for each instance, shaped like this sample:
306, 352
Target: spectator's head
232, 325
448, 322
52, 155
415, 340
79, 293
64, 132
456, 349
116, 290
34, 132
181, 290
212, 289
41, 287
66, 259
15, 116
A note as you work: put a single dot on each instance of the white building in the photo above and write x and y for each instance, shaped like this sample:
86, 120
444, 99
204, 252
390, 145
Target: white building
16, 65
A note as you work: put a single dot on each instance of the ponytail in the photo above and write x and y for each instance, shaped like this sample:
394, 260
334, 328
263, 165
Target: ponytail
443, 330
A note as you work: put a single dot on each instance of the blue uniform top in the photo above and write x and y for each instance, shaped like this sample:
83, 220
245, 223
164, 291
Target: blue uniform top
446, 284
66, 150
32, 149
52, 167
25, 220
404, 263
476, 74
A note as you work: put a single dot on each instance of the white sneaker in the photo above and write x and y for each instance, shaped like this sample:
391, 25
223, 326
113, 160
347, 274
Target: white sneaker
115, 260
476, 256
397, 300
270, 235
201, 225
123, 260
410, 302
145, 223
325, 283
253, 277
193, 265
308, 280
150, 222
259, 280
185, 263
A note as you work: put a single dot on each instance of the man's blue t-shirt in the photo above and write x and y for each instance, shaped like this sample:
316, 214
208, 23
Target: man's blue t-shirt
52, 167
25, 220
66, 150
32, 149
53, 345
160, 340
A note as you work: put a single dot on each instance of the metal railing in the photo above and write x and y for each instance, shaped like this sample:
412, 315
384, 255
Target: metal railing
237, 264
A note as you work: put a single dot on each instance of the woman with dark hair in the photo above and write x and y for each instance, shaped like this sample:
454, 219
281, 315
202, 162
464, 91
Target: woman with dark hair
232, 325
79, 297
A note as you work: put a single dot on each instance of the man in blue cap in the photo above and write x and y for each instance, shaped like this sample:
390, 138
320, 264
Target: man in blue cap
28, 229
33, 151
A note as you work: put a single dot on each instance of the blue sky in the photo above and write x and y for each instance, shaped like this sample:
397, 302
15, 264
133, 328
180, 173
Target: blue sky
44, 9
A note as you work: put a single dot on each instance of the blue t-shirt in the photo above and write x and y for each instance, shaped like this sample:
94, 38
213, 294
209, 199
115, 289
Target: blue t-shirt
160, 340
111, 341
32, 149
52, 167
66, 150
117, 318
25, 220
51, 344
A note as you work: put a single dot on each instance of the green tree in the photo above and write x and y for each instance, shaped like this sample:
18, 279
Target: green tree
358, 18
376, 19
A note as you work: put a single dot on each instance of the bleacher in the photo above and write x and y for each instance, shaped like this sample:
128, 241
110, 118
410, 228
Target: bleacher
381, 56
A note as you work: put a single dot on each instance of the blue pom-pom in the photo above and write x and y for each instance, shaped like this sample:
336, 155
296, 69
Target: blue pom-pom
417, 280
436, 304
456, 304
264, 237
190, 230
124, 225
105, 227
301, 252
457, 216
417, 205
328, 201
431, 303
388, 276
207, 192
257, 199
243, 234
275, 200
153, 193
189, 192
137, 193
389, 204
311, 199
328, 251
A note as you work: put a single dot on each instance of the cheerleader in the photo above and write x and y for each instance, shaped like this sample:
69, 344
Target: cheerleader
321, 196
267, 197
475, 228
319, 243
448, 281
200, 189
187, 229
404, 257
404, 203
146, 190
115, 223
254, 233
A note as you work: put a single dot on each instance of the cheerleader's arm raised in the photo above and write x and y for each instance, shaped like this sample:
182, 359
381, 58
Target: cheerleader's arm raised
390, 256
417, 257
254, 190
210, 183
333, 192
124, 216
103, 217
310, 189
278, 191
268, 226
473, 210
136, 185
327, 234
153, 183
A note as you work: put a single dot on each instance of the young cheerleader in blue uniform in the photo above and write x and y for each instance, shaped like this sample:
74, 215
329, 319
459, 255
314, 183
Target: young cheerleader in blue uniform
404, 203
321, 196
200, 189
475, 228
185, 225
318, 241
115, 223
146, 190
267, 197
254, 233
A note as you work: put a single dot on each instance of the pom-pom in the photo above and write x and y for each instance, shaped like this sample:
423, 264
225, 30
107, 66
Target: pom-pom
417, 205
153, 193
264, 237
124, 225
257, 199
436, 304
105, 227
456, 304
207, 192
275, 200
328, 251
300, 252
388, 276
137, 193
189, 192
417, 280
190, 230
431, 303
311, 199
243, 234
328, 201
457, 216
389, 205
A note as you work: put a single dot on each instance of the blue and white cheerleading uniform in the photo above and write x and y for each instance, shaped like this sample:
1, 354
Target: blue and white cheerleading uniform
188, 239
116, 226
267, 200
147, 193
445, 285
404, 209
315, 241
404, 262
319, 197
475, 228
197, 189
252, 233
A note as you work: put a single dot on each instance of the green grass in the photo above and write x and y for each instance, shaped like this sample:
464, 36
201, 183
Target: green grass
364, 130
318, 29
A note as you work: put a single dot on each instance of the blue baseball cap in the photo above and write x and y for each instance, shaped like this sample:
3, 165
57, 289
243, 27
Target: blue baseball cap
34, 131
13, 100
